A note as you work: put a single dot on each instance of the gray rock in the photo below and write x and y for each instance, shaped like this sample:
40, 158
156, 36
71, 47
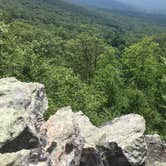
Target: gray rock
160, 163
30, 97
64, 141
15, 131
21, 108
120, 142
156, 151
13, 159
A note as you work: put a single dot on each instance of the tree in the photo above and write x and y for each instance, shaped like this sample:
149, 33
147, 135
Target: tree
140, 64
83, 54
143, 72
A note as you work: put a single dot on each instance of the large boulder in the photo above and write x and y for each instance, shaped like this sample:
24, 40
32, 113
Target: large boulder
21, 108
120, 142
156, 151
73, 140
30, 97
64, 141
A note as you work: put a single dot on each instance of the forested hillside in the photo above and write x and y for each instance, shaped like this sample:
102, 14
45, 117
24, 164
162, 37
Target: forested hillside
103, 63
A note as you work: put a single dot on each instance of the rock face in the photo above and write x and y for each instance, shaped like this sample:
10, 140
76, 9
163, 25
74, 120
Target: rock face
64, 140
15, 131
13, 159
72, 140
157, 151
120, 142
21, 108
68, 138
27, 96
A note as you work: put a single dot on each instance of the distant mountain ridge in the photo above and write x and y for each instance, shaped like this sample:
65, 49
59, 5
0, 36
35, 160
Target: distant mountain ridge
108, 4
147, 6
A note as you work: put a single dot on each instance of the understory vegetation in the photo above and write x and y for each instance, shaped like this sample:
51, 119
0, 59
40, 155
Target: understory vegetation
86, 59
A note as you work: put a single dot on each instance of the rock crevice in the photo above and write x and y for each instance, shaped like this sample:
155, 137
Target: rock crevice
26, 140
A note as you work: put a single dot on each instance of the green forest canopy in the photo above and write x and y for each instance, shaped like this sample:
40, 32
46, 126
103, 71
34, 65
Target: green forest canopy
105, 64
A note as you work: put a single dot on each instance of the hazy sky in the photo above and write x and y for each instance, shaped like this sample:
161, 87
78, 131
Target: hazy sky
147, 4
154, 6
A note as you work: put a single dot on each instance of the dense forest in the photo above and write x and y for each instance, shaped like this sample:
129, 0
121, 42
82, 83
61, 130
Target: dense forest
104, 63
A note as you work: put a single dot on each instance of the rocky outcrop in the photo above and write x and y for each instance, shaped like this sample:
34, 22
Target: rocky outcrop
64, 140
156, 151
68, 138
120, 142
15, 131
30, 97
72, 140
21, 108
